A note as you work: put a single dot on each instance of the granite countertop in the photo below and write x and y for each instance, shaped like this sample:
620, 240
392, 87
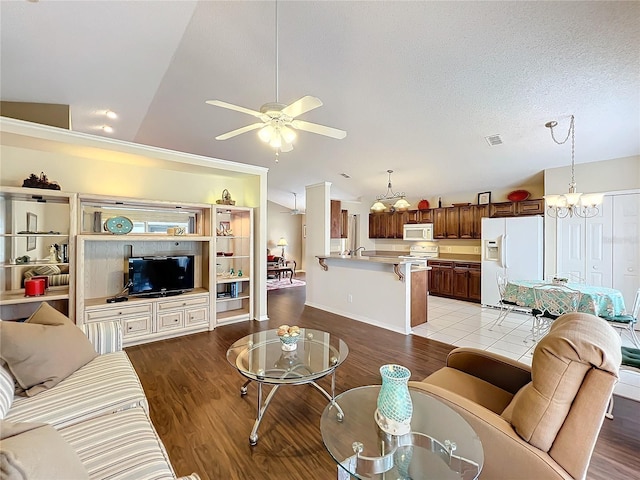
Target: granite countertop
392, 260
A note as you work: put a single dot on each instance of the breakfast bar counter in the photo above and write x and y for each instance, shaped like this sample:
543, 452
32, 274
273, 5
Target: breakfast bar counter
389, 292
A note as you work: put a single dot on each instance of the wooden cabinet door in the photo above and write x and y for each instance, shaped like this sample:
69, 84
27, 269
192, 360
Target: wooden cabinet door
530, 207
452, 215
461, 281
466, 221
439, 223
378, 225
344, 223
425, 216
446, 280
504, 209
479, 211
475, 282
336, 221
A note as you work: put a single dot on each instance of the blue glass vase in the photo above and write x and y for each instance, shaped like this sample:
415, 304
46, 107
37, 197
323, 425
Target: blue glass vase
395, 408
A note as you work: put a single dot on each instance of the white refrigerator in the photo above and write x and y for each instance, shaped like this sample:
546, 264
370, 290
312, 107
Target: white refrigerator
513, 247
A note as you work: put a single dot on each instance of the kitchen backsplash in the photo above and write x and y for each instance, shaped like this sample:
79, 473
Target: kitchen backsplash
459, 247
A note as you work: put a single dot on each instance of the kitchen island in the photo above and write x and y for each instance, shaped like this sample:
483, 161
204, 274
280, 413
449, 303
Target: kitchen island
389, 292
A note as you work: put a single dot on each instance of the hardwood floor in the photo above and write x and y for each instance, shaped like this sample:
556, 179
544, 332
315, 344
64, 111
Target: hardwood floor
204, 423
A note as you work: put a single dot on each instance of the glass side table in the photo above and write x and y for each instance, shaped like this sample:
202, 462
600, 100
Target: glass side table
441, 444
260, 357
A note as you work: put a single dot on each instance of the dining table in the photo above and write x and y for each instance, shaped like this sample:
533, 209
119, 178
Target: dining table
596, 300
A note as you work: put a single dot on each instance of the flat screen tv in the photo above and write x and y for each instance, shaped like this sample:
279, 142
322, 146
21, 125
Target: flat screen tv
158, 276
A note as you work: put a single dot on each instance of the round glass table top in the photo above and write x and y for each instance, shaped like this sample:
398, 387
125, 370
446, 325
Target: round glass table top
261, 356
441, 444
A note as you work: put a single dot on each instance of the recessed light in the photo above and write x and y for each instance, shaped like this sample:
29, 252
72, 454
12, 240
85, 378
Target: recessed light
345, 175
110, 114
107, 129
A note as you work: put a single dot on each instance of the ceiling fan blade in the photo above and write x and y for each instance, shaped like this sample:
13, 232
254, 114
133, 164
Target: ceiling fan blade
302, 105
319, 129
238, 131
286, 147
237, 108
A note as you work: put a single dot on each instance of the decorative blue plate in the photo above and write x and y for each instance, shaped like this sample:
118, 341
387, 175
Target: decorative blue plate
118, 225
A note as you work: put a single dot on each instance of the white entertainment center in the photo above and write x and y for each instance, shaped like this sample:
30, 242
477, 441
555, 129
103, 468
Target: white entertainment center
220, 238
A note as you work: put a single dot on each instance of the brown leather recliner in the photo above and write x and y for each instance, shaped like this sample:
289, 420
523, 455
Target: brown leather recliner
538, 422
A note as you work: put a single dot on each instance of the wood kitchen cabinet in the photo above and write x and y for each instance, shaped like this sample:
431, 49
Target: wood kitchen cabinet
390, 225
470, 225
441, 281
475, 280
336, 219
514, 209
424, 216
446, 222
453, 279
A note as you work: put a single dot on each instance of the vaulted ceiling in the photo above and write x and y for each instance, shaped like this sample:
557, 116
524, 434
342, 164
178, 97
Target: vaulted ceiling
417, 85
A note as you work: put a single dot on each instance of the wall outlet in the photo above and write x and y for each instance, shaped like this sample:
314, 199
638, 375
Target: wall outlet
349, 298
476, 249
448, 249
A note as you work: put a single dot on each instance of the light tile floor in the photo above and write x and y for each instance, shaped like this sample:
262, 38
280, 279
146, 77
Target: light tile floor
465, 324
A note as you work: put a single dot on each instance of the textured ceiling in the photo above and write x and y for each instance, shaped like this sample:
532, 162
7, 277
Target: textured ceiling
417, 85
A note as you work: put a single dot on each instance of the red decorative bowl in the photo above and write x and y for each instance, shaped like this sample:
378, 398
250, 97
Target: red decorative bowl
518, 195
423, 205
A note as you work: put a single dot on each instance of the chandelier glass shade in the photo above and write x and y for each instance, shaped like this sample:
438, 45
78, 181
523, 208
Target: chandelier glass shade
572, 203
399, 205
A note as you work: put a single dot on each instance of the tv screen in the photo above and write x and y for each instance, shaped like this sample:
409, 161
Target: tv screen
160, 275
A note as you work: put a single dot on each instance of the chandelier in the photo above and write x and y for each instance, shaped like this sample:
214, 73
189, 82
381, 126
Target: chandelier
401, 205
572, 203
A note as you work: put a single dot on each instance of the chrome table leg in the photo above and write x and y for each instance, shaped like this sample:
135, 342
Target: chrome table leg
253, 437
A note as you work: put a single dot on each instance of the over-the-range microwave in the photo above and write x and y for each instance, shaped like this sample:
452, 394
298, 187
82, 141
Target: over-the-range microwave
418, 232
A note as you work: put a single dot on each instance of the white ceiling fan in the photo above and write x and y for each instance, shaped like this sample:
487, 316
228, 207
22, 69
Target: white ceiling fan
295, 210
278, 121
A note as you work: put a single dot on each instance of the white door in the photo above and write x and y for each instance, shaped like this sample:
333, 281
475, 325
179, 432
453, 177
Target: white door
599, 246
571, 242
626, 245
585, 246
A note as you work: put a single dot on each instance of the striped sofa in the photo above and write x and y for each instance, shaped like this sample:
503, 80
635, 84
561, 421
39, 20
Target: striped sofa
102, 413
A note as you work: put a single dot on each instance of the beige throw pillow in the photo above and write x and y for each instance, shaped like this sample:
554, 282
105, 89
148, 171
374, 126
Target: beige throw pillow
42, 351
47, 315
39, 454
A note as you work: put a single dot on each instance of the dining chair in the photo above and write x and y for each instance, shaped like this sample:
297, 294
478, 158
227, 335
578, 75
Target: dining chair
631, 363
551, 301
626, 323
506, 307
570, 277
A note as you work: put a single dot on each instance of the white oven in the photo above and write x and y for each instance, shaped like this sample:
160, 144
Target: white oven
418, 232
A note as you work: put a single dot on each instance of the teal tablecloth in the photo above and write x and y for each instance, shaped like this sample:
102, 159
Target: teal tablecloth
600, 301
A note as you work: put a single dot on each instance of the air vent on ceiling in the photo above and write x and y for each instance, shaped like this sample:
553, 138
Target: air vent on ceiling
494, 140
345, 175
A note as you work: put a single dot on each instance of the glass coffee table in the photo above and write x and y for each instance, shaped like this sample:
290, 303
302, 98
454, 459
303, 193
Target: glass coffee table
262, 359
441, 444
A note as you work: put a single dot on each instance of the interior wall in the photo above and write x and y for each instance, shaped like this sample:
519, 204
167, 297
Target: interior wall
104, 177
280, 223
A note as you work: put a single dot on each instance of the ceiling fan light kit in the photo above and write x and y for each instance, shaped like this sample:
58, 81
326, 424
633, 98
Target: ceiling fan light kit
573, 202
